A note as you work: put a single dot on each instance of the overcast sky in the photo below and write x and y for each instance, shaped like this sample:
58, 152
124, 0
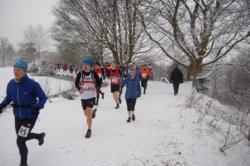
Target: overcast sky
17, 15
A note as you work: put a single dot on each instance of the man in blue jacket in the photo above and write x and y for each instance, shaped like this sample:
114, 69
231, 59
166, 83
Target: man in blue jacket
133, 90
27, 99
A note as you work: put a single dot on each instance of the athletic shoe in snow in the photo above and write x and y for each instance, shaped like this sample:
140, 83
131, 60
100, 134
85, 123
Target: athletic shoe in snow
117, 106
129, 119
93, 114
88, 134
133, 117
41, 140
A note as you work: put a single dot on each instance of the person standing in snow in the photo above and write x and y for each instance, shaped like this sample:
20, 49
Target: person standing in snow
86, 83
115, 75
27, 99
176, 78
133, 90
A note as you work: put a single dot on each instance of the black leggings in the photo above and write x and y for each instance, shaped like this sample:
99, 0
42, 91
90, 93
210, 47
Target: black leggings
131, 104
21, 140
144, 84
98, 91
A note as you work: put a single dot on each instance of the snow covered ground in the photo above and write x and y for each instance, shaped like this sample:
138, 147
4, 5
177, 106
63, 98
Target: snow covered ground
164, 133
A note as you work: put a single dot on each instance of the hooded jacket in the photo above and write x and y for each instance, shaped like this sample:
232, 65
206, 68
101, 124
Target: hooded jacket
133, 88
24, 96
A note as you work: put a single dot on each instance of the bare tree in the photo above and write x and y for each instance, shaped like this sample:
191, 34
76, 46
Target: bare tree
105, 24
35, 37
203, 31
7, 52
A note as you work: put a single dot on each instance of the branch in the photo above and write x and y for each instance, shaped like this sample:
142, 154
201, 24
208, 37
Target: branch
228, 50
155, 41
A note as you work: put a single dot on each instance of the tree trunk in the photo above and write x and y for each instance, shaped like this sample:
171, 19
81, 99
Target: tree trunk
193, 69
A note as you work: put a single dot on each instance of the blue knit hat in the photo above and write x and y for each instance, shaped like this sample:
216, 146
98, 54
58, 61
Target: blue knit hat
22, 64
88, 61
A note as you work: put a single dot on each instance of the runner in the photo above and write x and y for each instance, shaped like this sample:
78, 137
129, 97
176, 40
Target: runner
28, 99
115, 75
86, 82
99, 72
144, 77
133, 90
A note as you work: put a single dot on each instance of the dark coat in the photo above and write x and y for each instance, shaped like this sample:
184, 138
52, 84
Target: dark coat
176, 76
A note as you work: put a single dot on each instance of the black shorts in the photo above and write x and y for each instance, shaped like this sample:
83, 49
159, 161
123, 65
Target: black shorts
88, 103
115, 88
131, 104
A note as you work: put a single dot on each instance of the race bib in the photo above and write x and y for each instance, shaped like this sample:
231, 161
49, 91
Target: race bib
86, 87
115, 79
23, 131
144, 75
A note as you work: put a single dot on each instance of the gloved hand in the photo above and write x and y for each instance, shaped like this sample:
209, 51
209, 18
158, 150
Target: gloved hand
1, 108
35, 109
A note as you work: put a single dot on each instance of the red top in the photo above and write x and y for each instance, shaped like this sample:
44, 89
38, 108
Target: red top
114, 77
98, 72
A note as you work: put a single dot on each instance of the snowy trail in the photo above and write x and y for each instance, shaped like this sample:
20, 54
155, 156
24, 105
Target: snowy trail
164, 133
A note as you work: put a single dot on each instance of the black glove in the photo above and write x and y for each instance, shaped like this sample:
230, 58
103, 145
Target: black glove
1, 108
35, 109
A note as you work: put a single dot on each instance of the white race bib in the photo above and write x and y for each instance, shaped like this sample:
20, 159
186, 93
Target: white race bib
144, 75
23, 131
115, 79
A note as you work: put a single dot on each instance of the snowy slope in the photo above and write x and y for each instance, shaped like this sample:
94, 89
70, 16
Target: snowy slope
164, 133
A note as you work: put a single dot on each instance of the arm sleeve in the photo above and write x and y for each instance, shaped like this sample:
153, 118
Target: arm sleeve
139, 87
77, 81
120, 73
97, 79
181, 76
41, 96
103, 73
123, 82
108, 73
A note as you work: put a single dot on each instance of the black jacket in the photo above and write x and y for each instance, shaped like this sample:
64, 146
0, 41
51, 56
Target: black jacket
176, 76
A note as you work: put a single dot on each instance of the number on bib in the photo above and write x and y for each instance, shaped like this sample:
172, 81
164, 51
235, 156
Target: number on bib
144, 75
23, 131
114, 79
